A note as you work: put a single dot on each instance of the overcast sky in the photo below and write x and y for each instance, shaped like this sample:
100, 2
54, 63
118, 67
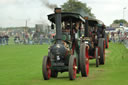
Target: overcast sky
16, 12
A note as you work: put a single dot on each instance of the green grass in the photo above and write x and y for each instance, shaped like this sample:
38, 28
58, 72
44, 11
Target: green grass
21, 65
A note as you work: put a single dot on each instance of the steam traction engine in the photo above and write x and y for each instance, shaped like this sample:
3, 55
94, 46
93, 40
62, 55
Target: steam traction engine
68, 53
94, 36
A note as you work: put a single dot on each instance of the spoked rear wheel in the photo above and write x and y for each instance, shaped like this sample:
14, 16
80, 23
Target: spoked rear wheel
97, 56
46, 68
101, 45
72, 67
84, 60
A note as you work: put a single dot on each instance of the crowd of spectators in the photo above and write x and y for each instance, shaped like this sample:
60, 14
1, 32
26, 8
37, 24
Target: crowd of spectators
24, 38
118, 36
31, 38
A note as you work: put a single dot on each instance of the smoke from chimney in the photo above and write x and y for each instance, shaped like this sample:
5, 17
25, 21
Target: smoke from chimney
48, 5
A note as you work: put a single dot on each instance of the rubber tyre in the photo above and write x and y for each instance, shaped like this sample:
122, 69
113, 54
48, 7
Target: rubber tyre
84, 60
97, 59
72, 67
101, 45
54, 74
46, 68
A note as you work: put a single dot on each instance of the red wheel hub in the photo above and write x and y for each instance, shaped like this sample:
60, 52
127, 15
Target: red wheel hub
48, 68
74, 68
87, 61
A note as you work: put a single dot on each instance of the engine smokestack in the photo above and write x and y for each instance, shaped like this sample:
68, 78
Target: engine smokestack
58, 25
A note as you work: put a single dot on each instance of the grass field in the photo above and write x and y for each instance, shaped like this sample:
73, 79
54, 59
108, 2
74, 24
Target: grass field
21, 65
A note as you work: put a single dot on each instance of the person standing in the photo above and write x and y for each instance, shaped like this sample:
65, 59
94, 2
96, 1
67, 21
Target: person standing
3, 39
17, 39
27, 38
6, 39
113, 36
119, 35
0, 39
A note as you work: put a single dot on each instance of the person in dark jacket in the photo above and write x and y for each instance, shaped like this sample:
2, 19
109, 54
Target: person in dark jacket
0, 39
6, 39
